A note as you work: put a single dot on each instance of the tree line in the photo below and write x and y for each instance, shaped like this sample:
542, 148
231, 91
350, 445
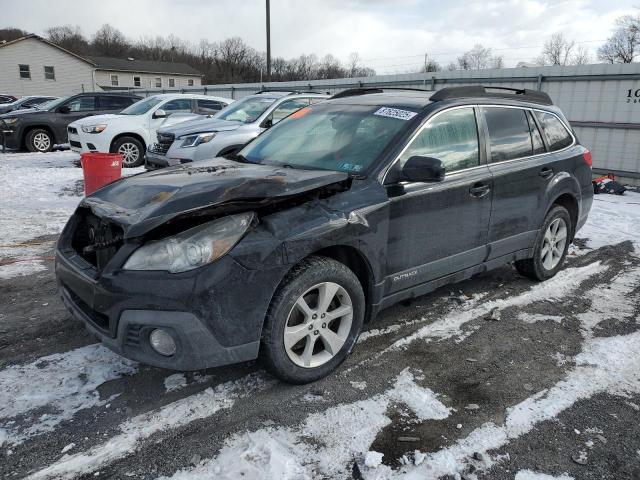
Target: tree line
233, 61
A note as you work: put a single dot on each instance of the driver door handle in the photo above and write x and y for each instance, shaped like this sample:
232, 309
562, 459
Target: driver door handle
479, 190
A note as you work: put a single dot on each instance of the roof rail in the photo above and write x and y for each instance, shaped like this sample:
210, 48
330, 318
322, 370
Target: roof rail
523, 94
350, 92
291, 92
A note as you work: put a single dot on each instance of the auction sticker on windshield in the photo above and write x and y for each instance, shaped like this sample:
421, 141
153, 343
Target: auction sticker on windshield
395, 113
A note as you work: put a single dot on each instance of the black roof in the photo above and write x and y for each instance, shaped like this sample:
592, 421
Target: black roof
414, 99
143, 66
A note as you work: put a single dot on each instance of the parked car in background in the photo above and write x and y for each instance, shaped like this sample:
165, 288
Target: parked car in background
5, 98
130, 131
44, 126
226, 132
24, 103
342, 209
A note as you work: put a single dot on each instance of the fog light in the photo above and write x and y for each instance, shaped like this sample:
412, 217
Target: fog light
162, 342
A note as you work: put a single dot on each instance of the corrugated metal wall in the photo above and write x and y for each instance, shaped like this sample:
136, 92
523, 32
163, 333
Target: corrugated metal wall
599, 100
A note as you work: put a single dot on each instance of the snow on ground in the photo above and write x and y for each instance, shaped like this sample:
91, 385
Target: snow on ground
39, 192
531, 475
141, 427
612, 217
324, 445
64, 383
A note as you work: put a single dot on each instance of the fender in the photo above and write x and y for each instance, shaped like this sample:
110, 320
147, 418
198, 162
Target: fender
562, 183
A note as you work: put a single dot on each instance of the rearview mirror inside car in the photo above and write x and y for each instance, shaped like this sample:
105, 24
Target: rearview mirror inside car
423, 169
64, 109
160, 113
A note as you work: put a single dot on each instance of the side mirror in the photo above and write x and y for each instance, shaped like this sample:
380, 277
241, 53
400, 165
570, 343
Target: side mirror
160, 113
64, 109
268, 123
423, 169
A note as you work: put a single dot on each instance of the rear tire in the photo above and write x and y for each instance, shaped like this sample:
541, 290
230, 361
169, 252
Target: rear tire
313, 322
39, 140
551, 246
132, 151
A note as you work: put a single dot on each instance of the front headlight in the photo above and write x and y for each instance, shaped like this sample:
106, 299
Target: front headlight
192, 248
195, 140
10, 121
94, 128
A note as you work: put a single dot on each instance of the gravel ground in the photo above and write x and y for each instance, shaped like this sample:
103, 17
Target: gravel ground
496, 377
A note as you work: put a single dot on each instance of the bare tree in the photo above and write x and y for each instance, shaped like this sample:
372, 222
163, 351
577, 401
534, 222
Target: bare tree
430, 65
110, 42
581, 57
8, 34
557, 50
624, 45
479, 58
69, 38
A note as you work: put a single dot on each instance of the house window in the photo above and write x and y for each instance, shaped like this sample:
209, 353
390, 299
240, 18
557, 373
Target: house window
114, 80
137, 82
190, 82
25, 72
158, 82
172, 82
49, 73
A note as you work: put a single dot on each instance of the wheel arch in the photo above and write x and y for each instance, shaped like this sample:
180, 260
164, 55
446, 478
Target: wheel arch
137, 136
570, 202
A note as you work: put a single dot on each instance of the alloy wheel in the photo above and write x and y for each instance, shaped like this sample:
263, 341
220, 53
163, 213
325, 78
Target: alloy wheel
129, 152
42, 142
318, 325
555, 239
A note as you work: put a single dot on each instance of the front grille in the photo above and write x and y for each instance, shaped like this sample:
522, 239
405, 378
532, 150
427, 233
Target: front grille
73, 143
72, 130
95, 239
165, 140
97, 318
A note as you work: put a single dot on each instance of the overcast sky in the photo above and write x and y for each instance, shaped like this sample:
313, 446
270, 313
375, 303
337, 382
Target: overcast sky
390, 36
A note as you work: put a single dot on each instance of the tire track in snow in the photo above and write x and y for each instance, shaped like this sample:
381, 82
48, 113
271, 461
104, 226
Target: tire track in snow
139, 428
63, 383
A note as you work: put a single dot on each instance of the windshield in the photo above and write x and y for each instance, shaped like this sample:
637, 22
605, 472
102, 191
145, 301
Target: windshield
143, 106
345, 138
52, 103
246, 110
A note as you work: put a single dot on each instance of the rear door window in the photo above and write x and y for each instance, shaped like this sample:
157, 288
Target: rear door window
178, 105
209, 106
114, 103
451, 137
82, 104
509, 134
554, 131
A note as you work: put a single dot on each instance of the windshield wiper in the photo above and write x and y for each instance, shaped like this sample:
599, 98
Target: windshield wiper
236, 157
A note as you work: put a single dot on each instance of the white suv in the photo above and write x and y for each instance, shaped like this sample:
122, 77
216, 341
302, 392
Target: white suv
130, 131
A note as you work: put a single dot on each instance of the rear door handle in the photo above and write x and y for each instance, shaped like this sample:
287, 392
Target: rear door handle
546, 172
479, 190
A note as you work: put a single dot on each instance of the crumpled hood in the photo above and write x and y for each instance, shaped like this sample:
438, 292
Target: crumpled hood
143, 202
201, 125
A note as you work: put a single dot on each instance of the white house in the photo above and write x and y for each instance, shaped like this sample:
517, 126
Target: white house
31, 65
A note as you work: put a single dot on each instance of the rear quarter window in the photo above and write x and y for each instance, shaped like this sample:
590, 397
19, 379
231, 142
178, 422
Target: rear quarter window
554, 131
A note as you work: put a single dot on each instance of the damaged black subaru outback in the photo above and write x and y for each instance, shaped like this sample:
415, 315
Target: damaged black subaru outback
342, 209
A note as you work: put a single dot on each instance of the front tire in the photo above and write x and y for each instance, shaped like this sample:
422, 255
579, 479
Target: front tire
550, 248
132, 151
313, 321
39, 140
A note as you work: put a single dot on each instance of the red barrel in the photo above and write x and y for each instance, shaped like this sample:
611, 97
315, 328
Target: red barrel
99, 169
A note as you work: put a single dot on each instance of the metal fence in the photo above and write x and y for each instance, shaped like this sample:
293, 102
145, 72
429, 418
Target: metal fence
601, 101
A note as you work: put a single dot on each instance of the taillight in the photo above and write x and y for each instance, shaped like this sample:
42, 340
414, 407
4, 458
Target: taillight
587, 158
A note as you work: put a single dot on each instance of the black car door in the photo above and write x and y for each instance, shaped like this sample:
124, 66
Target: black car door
70, 111
438, 228
521, 171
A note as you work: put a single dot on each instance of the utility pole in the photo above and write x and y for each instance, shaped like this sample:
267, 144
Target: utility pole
268, 42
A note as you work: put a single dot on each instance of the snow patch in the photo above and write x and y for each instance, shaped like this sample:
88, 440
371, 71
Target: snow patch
531, 475
64, 383
537, 317
141, 427
373, 459
324, 445
175, 382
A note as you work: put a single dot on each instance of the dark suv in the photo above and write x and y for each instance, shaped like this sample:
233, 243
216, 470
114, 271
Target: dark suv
343, 208
41, 128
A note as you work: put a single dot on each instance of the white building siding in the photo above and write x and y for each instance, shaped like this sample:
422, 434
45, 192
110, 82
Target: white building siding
147, 80
72, 75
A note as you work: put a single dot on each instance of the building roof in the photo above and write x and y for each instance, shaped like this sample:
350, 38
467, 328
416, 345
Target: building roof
120, 64
143, 66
